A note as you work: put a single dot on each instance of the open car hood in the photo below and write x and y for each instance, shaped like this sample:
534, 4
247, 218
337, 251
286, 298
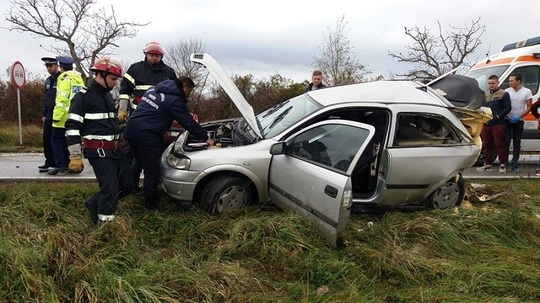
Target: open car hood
230, 88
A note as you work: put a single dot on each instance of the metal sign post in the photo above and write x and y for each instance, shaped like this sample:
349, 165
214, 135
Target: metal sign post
18, 75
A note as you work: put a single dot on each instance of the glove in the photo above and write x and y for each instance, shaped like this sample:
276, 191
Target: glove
122, 115
514, 119
122, 110
75, 164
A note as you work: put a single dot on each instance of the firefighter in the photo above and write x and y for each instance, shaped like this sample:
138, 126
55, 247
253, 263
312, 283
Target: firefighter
69, 83
142, 76
92, 118
144, 132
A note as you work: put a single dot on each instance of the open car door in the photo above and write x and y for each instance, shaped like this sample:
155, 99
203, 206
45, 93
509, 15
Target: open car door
310, 173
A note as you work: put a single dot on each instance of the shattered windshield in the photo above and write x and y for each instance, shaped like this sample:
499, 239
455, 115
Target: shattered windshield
481, 75
281, 116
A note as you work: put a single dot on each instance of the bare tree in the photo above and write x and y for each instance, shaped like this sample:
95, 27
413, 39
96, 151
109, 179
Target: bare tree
178, 54
84, 33
336, 59
435, 55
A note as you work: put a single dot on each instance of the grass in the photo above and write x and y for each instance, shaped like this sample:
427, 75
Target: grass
50, 251
479, 252
10, 139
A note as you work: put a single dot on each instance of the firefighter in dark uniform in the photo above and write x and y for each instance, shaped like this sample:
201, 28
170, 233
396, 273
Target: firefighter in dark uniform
92, 121
159, 106
142, 76
50, 95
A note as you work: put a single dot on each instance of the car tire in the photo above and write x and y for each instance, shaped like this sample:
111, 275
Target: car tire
450, 194
225, 193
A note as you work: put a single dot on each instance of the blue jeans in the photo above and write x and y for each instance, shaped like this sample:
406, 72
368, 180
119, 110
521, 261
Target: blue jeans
514, 132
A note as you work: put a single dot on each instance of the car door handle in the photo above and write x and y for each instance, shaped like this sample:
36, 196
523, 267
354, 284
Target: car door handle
330, 191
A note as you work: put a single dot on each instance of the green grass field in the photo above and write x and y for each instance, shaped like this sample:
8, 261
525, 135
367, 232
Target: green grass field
10, 138
50, 251
478, 252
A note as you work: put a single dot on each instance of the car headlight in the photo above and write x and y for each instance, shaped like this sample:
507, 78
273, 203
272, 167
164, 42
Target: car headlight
178, 147
178, 161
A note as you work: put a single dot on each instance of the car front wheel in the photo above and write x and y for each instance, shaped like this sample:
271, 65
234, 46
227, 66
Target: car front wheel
225, 193
448, 195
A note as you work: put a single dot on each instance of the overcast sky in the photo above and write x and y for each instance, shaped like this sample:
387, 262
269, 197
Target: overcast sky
268, 37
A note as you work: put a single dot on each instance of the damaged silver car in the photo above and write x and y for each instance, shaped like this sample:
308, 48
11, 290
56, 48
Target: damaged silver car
327, 152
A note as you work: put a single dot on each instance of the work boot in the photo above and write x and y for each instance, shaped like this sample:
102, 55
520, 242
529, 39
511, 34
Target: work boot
57, 171
104, 219
44, 168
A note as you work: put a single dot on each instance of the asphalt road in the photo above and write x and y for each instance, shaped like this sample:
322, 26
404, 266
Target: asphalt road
24, 166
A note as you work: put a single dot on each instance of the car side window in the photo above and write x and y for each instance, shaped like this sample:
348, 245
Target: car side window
421, 130
530, 77
330, 145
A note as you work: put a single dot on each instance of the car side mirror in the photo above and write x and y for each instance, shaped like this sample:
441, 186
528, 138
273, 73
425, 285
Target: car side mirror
278, 148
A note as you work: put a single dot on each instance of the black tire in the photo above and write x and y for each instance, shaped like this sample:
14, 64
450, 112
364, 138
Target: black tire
225, 193
450, 194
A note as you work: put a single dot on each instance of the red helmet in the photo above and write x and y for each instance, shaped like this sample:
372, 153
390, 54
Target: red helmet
109, 65
153, 47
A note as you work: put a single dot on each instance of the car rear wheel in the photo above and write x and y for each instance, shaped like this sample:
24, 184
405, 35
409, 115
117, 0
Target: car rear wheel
225, 193
448, 195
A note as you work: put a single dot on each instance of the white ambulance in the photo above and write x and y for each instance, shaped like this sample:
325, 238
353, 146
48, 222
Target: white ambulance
522, 57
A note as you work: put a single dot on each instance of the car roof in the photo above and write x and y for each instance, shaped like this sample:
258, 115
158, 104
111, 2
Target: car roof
387, 92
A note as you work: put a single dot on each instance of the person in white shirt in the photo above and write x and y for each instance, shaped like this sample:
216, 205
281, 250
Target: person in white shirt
521, 99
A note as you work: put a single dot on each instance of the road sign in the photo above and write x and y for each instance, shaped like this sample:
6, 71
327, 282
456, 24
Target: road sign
18, 75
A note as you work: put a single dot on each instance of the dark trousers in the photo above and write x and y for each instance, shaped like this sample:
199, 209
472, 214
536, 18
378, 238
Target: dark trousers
59, 147
115, 182
136, 166
47, 145
148, 156
493, 137
514, 132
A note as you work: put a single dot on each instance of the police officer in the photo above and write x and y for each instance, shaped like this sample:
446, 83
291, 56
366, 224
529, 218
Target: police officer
144, 132
69, 83
92, 117
48, 106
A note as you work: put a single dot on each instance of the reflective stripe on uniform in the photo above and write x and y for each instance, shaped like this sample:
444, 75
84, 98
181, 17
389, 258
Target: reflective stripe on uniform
102, 137
133, 105
63, 93
78, 118
106, 217
99, 116
129, 78
72, 132
143, 87
124, 96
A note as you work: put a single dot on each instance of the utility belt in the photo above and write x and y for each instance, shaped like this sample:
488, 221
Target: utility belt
101, 145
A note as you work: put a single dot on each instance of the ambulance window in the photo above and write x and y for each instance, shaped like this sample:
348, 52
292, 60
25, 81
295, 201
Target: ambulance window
530, 77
